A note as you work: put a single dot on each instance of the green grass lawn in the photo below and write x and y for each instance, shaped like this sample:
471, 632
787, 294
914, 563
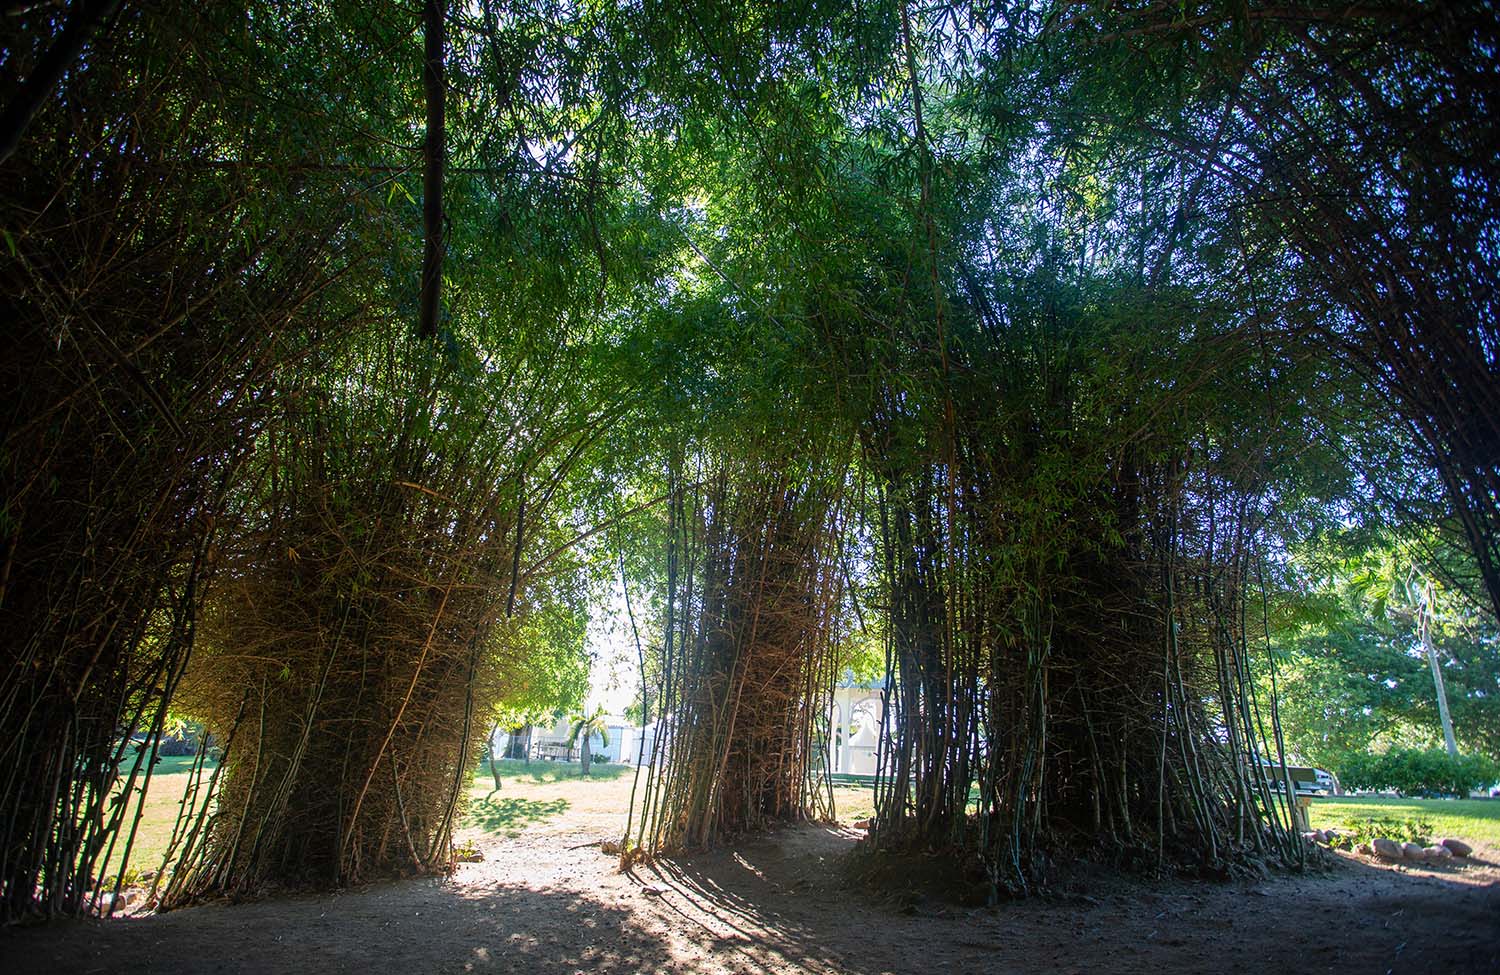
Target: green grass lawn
852, 803
540, 771
493, 812
508, 815
167, 765
169, 782
524, 798
1473, 820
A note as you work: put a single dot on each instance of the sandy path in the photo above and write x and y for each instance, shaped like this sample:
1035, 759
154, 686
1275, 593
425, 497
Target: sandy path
547, 902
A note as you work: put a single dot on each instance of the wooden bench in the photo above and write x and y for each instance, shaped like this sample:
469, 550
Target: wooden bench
1304, 786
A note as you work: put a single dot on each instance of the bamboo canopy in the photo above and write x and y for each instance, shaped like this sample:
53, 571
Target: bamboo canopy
1013, 356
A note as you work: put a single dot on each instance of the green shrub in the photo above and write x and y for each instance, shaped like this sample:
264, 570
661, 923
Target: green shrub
1363, 829
1417, 772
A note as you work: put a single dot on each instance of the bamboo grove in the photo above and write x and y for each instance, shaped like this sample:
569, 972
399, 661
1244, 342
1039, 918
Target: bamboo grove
1003, 349
749, 654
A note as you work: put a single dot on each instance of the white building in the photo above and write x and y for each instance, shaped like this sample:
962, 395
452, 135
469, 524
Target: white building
856, 716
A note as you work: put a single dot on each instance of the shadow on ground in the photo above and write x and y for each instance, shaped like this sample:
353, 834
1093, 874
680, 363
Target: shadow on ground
383, 929
497, 814
778, 905
784, 904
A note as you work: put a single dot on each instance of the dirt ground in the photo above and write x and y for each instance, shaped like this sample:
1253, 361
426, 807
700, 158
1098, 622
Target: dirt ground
546, 901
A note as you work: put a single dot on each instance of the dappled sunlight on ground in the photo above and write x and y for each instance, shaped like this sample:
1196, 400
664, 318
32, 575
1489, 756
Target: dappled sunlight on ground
509, 815
546, 901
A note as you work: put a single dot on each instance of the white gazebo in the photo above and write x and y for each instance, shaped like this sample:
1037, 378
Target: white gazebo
856, 715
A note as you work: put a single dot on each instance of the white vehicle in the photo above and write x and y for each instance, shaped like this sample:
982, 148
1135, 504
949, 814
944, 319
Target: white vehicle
1306, 780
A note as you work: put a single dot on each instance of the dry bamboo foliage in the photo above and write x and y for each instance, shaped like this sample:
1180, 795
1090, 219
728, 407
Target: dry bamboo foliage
345, 660
749, 660
143, 326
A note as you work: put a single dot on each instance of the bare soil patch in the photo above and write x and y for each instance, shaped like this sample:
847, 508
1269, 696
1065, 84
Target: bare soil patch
547, 901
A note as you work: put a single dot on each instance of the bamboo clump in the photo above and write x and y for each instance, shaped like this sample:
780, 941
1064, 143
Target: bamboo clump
143, 326
1056, 695
749, 656
362, 630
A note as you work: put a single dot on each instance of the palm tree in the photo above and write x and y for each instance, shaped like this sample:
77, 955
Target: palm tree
489, 754
587, 726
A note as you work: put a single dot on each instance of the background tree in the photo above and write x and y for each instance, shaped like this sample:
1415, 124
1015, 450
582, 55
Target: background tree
583, 728
1354, 675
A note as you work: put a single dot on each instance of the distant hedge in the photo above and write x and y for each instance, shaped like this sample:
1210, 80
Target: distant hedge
1418, 772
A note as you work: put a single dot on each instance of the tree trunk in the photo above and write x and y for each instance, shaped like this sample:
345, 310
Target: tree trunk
433, 151
1425, 625
490, 751
583, 754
